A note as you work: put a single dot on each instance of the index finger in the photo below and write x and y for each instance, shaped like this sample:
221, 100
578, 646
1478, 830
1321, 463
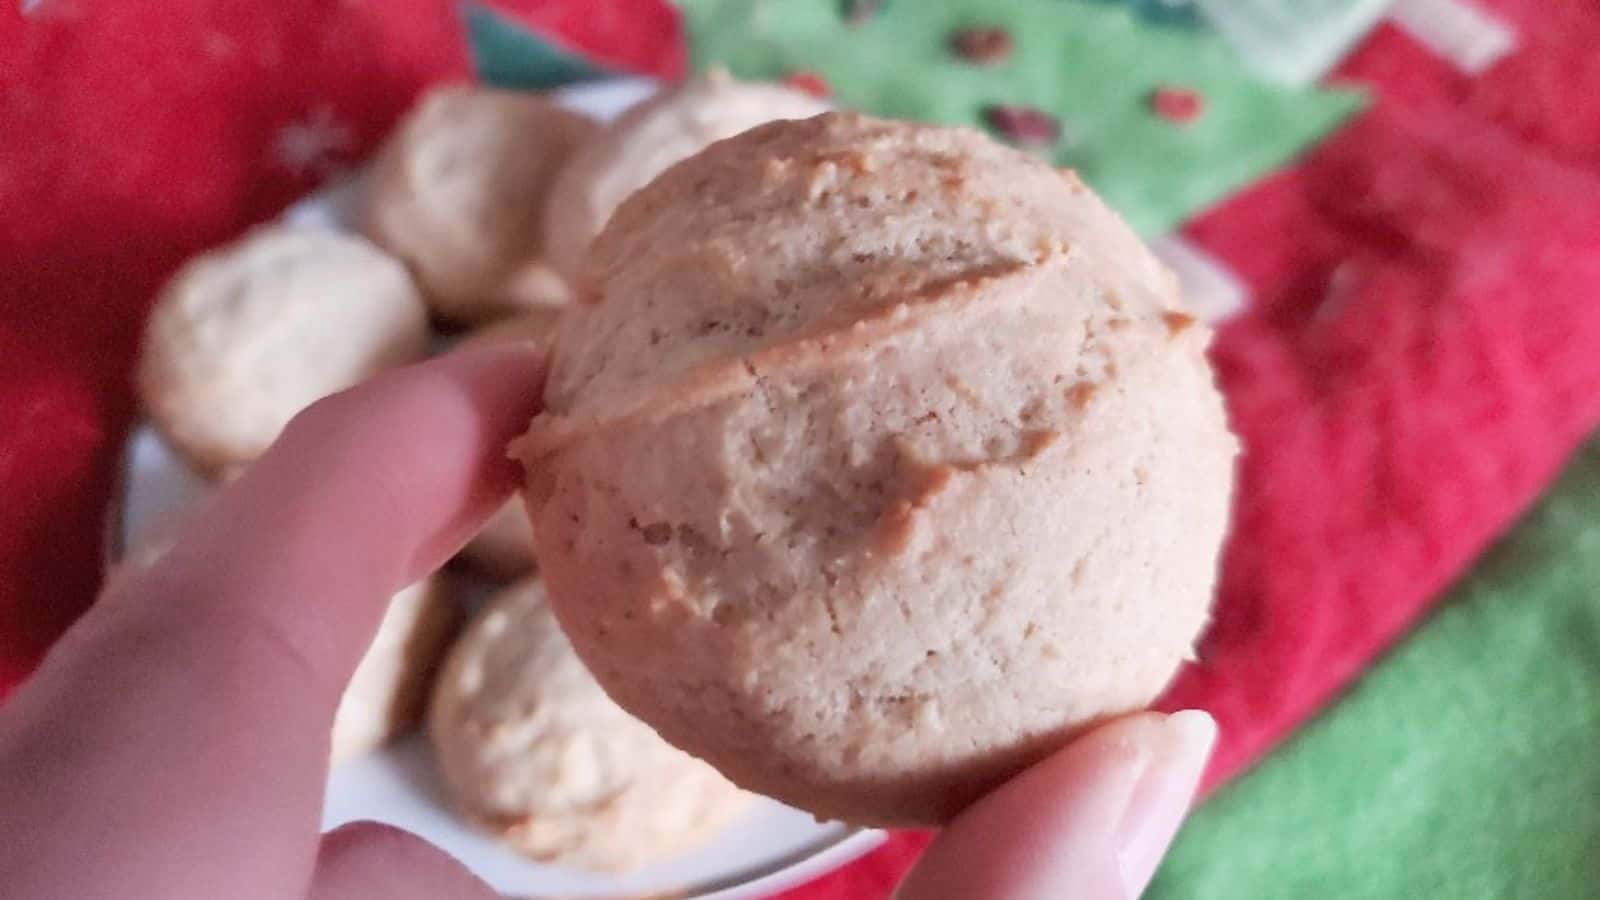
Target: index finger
177, 737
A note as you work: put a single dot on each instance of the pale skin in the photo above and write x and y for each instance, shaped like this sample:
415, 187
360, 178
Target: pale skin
174, 744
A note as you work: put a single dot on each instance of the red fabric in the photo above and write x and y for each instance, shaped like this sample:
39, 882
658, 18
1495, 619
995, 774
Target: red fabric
1391, 429
1391, 433
1420, 359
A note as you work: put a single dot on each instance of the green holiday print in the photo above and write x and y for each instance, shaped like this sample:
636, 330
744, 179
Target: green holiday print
1093, 66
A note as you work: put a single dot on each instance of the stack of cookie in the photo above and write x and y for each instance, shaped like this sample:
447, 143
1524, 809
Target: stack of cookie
477, 209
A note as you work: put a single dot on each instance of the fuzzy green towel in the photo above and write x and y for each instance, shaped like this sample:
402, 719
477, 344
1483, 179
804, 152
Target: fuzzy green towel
1464, 766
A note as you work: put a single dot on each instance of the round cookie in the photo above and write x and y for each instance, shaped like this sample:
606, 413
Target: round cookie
885, 460
245, 336
504, 546
533, 750
644, 141
387, 693
459, 190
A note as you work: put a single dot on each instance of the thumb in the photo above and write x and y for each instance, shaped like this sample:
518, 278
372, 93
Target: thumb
1089, 823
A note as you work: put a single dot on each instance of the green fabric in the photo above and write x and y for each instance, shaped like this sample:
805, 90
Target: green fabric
1093, 65
506, 54
1464, 766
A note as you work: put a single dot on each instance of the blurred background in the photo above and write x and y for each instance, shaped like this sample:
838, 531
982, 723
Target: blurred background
1392, 208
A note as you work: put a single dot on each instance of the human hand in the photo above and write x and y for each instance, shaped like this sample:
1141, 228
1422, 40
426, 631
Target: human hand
174, 743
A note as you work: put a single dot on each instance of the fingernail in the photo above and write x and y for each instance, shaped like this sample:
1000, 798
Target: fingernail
1162, 797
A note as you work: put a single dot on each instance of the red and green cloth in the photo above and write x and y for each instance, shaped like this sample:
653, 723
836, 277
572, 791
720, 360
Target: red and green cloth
1462, 766
1420, 358
1099, 71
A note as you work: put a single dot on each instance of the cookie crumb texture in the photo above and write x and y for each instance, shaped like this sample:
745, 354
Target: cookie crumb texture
877, 470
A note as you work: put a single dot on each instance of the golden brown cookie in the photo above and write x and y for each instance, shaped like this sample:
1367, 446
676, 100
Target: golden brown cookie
885, 461
385, 696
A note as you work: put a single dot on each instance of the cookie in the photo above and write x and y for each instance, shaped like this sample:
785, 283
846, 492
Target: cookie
386, 695
504, 546
533, 750
245, 336
459, 190
644, 141
885, 460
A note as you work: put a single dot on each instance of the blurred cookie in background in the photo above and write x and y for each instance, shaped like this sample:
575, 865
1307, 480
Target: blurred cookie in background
533, 750
246, 336
459, 192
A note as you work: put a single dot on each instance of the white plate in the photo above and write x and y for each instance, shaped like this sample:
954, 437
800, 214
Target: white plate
768, 849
